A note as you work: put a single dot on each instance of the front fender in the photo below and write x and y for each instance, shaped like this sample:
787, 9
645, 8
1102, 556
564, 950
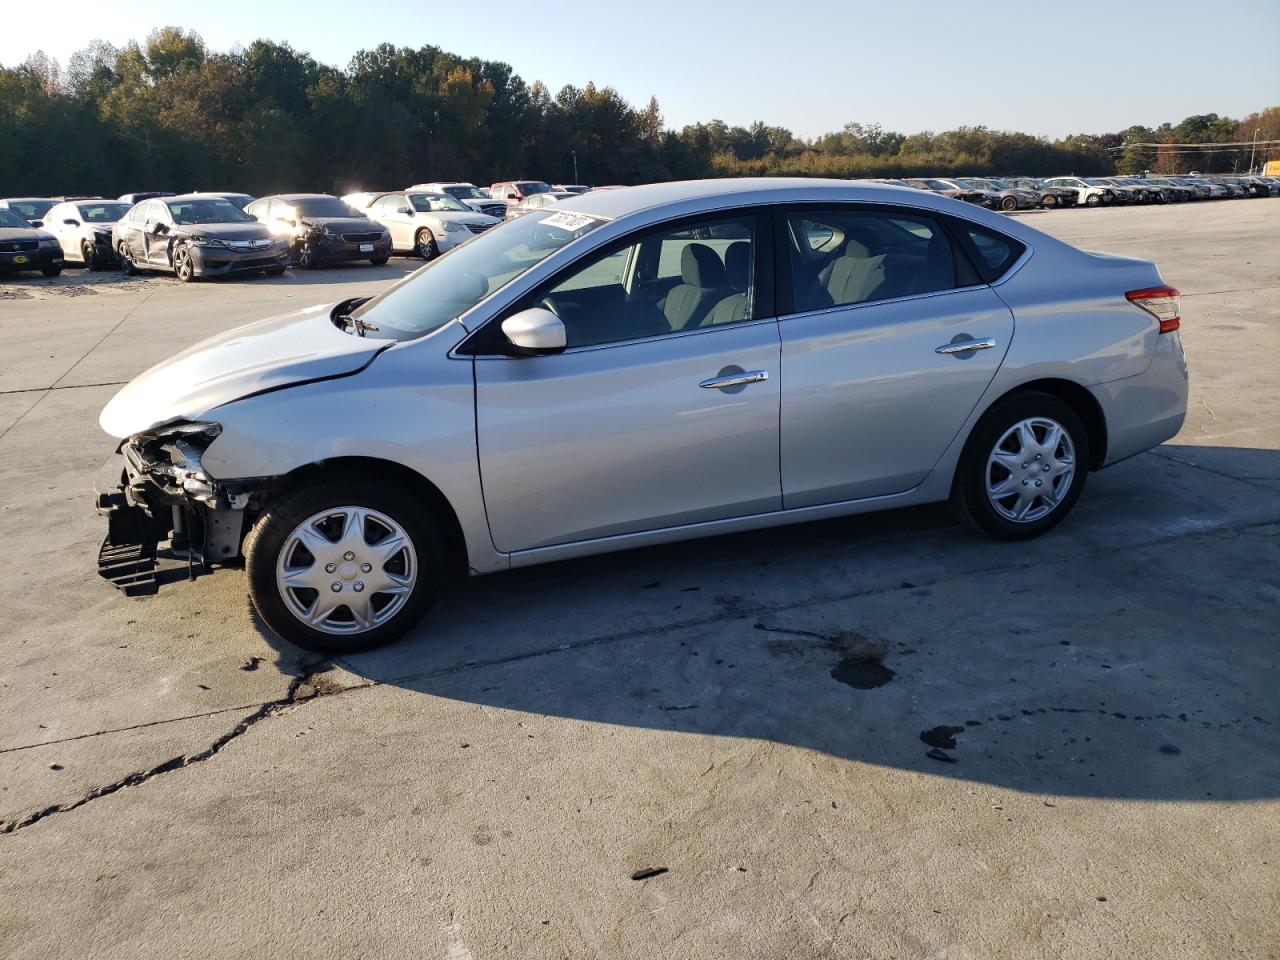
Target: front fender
413, 406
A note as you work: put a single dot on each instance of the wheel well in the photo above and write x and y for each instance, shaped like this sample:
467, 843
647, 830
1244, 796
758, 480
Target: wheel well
401, 475
1082, 402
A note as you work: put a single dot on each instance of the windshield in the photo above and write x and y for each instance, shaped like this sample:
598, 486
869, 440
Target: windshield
10, 219
454, 283
207, 211
31, 209
324, 207
465, 193
533, 186
437, 203
102, 212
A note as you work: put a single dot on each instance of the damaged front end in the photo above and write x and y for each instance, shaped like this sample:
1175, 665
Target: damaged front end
155, 489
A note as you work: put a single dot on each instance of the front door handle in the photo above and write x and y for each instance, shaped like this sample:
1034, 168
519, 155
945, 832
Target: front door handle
964, 346
735, 379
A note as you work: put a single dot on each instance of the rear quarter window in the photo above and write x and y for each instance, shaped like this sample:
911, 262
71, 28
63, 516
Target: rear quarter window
993, 253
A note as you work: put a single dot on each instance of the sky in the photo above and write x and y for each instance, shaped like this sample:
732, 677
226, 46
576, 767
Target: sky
808, 65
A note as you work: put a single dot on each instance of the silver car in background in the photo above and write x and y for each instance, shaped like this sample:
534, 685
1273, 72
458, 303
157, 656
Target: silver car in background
637, 367
83, 229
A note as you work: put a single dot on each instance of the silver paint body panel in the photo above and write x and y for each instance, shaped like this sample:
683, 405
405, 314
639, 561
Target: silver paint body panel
604, 448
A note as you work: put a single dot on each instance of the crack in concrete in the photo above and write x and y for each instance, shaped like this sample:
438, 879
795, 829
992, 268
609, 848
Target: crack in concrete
69, 386
1260, 483
300, 691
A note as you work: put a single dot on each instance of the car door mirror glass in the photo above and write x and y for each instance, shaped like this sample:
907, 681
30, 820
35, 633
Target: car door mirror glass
535, 332
405, 211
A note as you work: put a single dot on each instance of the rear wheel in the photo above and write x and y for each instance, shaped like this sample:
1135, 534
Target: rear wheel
344, 565
127, 266
1023, 467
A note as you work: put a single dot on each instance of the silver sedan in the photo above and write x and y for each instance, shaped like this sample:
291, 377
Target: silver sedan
635, 367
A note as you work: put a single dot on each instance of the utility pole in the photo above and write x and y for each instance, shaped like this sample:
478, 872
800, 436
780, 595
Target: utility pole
1253, 146
575, 162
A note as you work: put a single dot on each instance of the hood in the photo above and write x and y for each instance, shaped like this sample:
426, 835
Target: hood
343, 223
277, 352
226, 231
24, 233
453, 216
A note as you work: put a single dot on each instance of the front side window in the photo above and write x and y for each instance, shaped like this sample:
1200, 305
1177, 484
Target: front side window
841, 257
451, 285
668, 280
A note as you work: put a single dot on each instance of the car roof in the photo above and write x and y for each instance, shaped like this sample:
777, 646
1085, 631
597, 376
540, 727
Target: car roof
301, 196
612, 204
23, 199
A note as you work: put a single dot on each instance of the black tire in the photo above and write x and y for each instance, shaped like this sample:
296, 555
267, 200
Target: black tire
969, 489
51, 269
271, 534
274, 271
183, 266
424, 244
1008, 203
379, 260
1092, 200
127, 266
305, 255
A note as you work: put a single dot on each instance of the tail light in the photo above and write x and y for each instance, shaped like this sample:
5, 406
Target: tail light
1161, 303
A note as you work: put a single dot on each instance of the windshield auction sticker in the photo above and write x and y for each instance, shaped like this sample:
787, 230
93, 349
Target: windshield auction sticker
568, 221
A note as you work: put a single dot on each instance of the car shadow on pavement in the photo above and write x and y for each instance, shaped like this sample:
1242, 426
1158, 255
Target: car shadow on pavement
1131, 653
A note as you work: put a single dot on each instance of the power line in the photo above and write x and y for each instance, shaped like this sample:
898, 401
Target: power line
1211, 143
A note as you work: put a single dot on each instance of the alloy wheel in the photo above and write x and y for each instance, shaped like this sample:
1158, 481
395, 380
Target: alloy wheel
1030, 469
346, 570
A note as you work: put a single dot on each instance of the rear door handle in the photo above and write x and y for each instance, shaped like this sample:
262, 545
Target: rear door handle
964, 346
735, 379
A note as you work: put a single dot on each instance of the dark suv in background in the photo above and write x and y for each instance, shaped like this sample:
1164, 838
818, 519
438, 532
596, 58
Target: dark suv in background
322, 229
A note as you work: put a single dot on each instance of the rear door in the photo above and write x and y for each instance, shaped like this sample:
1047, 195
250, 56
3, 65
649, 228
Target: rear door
878, 305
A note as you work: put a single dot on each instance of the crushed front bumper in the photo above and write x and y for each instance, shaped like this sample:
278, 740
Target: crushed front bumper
153, 491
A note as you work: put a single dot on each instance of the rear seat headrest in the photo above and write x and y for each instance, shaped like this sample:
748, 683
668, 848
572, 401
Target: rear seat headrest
737, 265
862, 242
700, 266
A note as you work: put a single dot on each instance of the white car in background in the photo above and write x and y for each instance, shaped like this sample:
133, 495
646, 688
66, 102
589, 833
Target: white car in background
83, 229
427, 224
538, 201
468, 194
1089, 194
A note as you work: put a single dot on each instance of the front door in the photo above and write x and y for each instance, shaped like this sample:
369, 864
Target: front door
877, 380
662, 411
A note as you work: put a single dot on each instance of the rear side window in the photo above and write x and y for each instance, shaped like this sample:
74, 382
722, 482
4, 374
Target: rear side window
993, 253
847, 256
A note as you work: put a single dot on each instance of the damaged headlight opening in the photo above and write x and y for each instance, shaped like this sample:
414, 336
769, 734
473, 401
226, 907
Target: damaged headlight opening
171, 458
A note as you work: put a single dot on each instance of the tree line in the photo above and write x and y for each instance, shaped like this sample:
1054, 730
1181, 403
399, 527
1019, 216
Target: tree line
172, 114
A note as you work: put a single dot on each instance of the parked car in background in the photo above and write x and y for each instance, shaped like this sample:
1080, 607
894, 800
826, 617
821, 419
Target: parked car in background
572, 187
1170, 192
25, 247
537, 202
144, 195
512, 192
196, 236
31, 209
1217, 191
468, 194
1193, 191
1089, 194
948, 189
1049, 196
322, 229
1007, 197
1139, 191
427, 224
83, 229
629, 383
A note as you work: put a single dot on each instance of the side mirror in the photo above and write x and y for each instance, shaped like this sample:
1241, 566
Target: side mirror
159, 229
71, 223
404, 210
36, 223
535, 332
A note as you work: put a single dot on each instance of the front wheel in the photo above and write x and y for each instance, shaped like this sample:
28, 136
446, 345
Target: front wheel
1008, 203
127, 266
343, 566
425, 244
184, 267
51, 269
379, 260
1023, 467
1092, 200
89, 254
306, 256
